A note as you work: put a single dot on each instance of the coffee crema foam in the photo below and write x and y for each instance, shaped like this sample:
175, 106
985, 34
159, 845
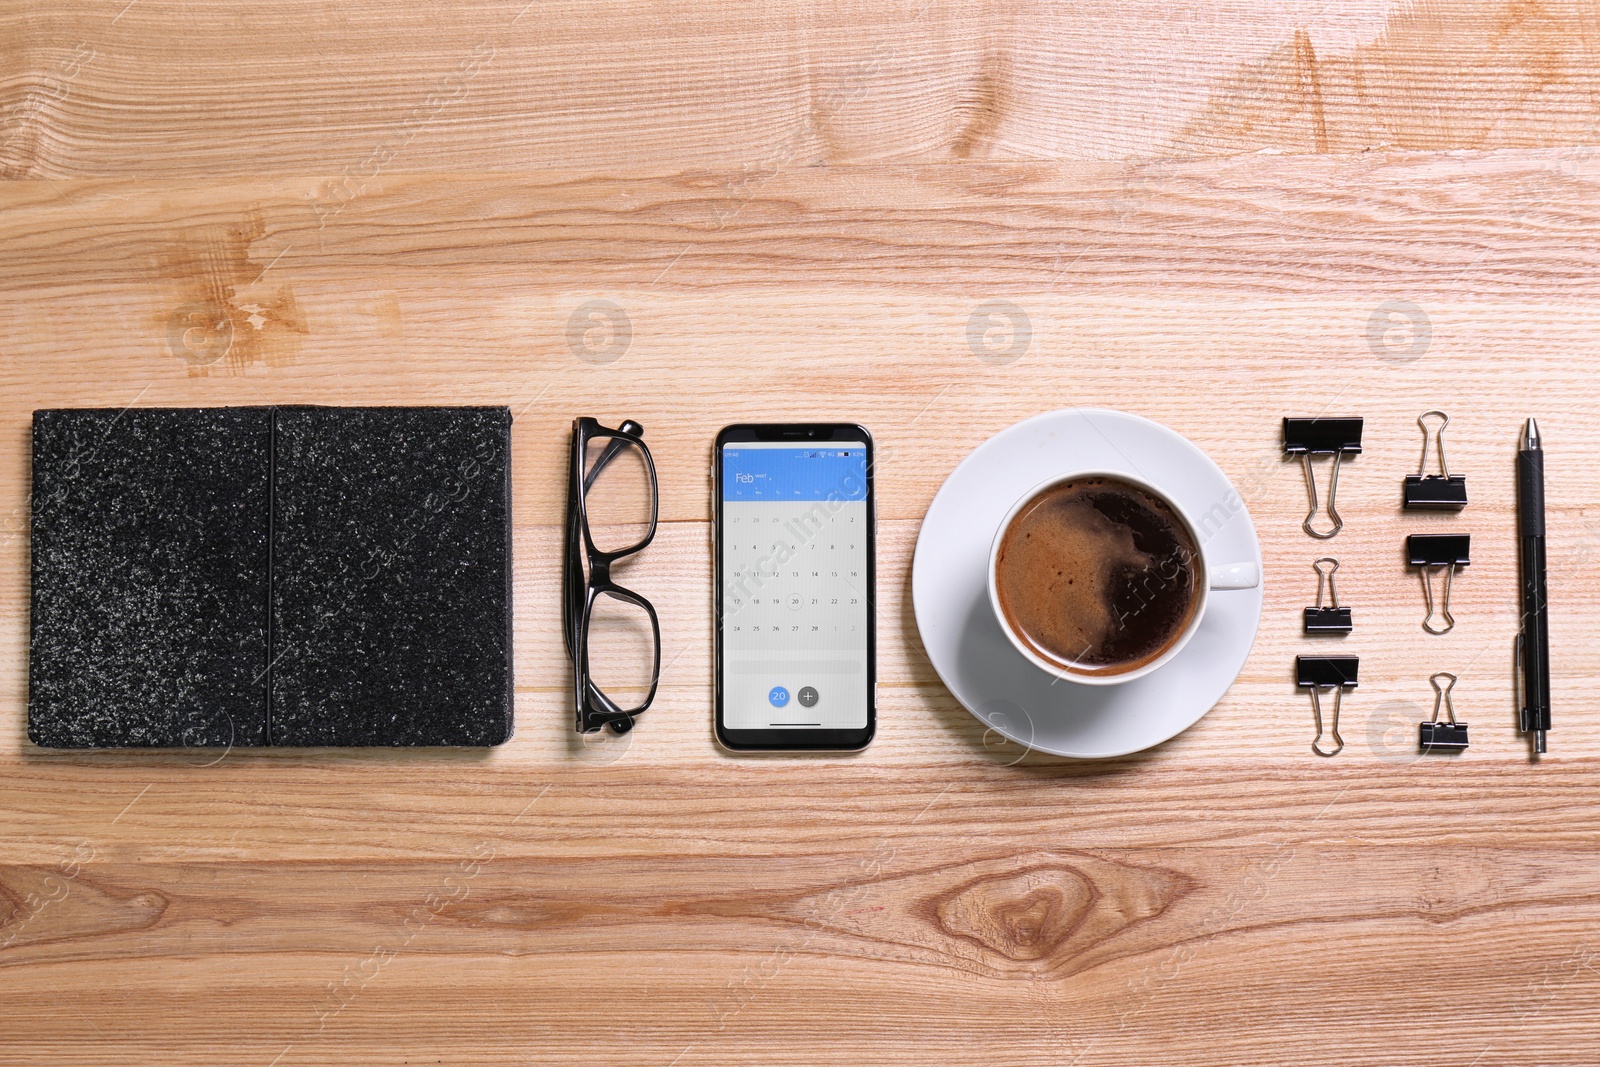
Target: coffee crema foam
1097, 575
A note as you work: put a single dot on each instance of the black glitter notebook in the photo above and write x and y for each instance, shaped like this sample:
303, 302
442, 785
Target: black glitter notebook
271, 576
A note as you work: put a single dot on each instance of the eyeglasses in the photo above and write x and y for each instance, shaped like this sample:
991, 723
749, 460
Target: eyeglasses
612, 635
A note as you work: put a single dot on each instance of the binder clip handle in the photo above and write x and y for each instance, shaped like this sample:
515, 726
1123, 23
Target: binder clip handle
1444, 602
1317, 744
1333, 495
1327, 618
1322, 436
1317, 673
1441, 696
1434, 491
1430, 552
1437, 436
1325, 578
1450, 736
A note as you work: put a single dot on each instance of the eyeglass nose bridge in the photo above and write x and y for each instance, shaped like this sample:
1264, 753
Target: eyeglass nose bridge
599, 572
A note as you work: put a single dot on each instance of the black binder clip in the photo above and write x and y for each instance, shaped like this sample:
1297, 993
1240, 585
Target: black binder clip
1445, 736
1322, 437
1446, 551
1435, 492
1331, 619
1317, 673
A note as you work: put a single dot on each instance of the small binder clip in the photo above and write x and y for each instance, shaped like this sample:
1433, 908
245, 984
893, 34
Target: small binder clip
1446, 551
1445, 736
1332, 619
1317, 673
1435, 492
1321, 437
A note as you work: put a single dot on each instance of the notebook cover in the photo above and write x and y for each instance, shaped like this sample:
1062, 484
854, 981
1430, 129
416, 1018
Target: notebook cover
391, 584
178, 600
149, 598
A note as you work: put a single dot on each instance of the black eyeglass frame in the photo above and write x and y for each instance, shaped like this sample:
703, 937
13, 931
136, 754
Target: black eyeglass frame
595, 710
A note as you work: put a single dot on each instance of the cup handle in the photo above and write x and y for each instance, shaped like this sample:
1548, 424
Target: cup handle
1235, 576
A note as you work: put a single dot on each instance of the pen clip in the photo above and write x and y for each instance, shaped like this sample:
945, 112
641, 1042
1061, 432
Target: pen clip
1519, 691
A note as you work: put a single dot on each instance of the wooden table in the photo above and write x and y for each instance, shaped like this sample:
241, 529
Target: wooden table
935, 219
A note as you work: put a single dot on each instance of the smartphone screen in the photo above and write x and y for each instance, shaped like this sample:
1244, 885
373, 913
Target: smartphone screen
795, 587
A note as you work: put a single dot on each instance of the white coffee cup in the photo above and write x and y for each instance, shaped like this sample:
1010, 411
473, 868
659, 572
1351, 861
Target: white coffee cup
1219, 576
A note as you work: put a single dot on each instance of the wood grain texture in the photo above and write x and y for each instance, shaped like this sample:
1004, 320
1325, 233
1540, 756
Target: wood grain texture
159, 89
1210, 215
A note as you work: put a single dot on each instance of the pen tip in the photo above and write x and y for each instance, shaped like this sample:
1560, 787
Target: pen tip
1530, 434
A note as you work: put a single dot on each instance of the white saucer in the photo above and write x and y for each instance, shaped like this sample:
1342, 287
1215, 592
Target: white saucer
990, 677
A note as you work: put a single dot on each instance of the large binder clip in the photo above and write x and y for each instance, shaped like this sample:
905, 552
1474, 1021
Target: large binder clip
1446, 736
1444, 551
1435, 492
1331, 619
1322, 437
1317, 673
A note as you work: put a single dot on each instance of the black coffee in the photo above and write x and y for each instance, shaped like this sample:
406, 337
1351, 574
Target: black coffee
1097, 575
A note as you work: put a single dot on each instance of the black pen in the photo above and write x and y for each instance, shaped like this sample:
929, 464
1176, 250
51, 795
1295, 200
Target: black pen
1533, 644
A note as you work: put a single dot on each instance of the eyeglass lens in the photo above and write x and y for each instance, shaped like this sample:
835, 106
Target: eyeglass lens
619, 495
621, 650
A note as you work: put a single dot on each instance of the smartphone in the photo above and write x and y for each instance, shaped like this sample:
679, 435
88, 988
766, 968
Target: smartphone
793, 594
